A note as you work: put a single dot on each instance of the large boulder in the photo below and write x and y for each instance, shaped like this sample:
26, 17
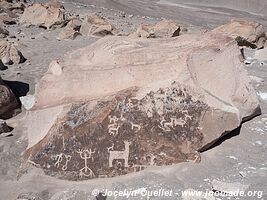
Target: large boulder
95, 25
162, 29
71, 31
8, 101
49, 15
246, 33
130, 103
9, 53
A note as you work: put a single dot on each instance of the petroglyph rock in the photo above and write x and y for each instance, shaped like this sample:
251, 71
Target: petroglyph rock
130, 103
246, 33
50, 15
97, 26
8, 100
165, 28
9, 53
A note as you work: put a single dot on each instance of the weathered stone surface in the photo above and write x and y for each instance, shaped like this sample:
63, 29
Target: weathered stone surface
50, 15
95, 25
8, 100
71, 31
132, 102
165, 28
3, 32
9, 54
246, 33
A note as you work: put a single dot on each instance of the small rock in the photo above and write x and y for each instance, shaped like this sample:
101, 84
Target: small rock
27, 101
4, 128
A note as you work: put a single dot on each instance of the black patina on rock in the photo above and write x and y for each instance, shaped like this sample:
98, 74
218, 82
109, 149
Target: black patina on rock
122, 135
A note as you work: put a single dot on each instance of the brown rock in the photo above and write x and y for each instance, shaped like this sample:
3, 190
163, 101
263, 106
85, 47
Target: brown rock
8, 100
95, 25
130, 103
246, 33
50, 15
163, 29
71, 31
9, 54
4, 128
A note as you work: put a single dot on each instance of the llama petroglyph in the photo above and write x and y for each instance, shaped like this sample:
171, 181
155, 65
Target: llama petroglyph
113, 128
135, 127
124, 155
168, 126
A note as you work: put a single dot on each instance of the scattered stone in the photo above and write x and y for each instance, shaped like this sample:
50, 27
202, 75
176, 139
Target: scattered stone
246, 33
9, 53
127, 112
4, 128
163, 29
71, 31
8, 101
27, 101
95, 25
50, 15
228, 188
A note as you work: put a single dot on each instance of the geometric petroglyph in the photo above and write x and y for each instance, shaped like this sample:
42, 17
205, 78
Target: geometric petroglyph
85, 155
135, 127
124, 155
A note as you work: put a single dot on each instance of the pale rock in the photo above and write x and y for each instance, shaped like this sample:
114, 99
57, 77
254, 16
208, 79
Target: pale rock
27, 101
162, 29
71, 31
49, 15
9, 53
123, 104
246, 33
95, 25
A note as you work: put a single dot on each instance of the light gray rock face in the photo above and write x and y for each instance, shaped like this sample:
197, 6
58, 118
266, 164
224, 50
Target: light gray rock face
130, 103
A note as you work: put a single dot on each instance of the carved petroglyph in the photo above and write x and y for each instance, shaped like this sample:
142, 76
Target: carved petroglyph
168, 126
113, 127
124, 155
138, 168
59, 160
86, 155
135, 127
152, 159
65, 167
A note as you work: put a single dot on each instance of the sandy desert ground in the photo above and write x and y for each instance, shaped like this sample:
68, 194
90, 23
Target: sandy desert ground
239, 158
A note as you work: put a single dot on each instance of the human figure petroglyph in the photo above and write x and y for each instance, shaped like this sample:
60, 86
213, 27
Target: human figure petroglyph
86, 155
124, 155
110, 148
135, 127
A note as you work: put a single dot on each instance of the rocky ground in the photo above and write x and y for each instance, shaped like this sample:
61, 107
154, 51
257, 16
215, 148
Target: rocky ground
238, 159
